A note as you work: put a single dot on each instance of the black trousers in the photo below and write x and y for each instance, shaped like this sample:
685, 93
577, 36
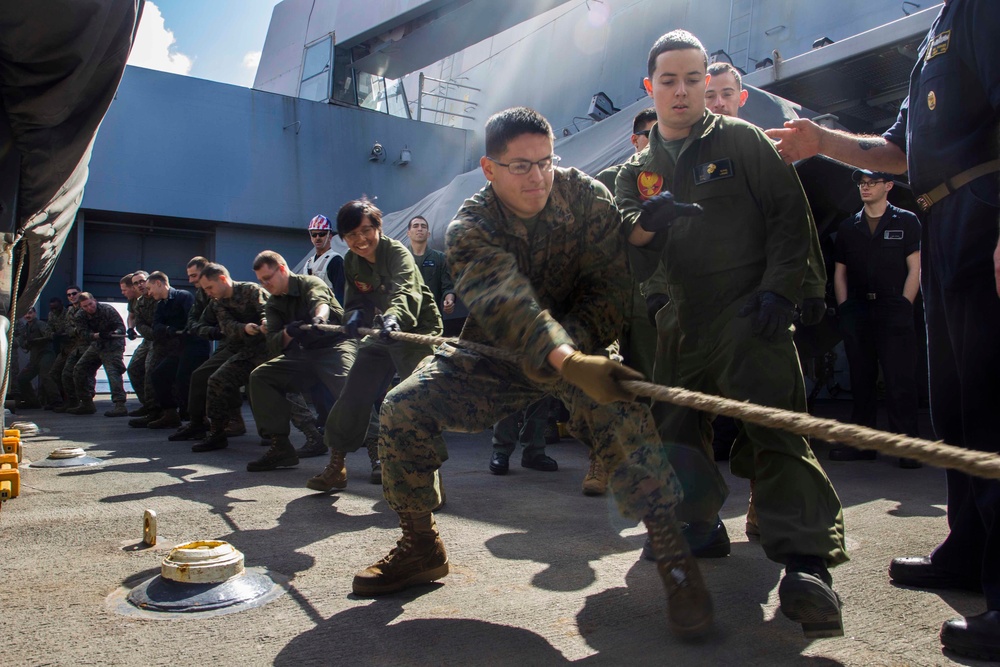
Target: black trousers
963, 343
171, 377
881, 332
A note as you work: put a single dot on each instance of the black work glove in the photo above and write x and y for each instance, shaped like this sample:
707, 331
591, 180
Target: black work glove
389, 326
772, 314
294, 329
812, 311
171, 331
131, 334
106, 335
216, 333
354, 321
654, 303
659, 212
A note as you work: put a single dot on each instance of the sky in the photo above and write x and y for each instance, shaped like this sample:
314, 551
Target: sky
218, 40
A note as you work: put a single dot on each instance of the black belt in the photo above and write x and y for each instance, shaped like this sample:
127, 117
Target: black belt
928, 199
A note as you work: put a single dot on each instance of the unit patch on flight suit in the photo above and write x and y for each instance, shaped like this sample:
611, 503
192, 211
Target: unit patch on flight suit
938, 45
713, 171
649, 184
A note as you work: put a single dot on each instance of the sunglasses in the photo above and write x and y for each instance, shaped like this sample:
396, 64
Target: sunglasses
642, 133
317, 235
71, 293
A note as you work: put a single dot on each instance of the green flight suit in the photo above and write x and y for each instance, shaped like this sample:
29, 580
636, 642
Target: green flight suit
751, 238
298, 367
392, 285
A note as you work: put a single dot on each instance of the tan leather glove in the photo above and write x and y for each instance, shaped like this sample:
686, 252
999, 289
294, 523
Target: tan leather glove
598, 377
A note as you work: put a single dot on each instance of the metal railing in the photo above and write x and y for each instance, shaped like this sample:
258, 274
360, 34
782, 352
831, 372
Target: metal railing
443, 86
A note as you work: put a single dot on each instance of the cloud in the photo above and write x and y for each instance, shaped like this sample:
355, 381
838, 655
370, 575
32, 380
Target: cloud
251, 59
154, 45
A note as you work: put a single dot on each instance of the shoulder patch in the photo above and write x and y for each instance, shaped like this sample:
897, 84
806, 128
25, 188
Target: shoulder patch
650, 184
938, 45
364, 288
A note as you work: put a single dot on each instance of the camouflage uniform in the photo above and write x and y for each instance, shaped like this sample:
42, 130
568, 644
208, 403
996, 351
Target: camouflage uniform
38, 342
79, 341
104, 351
391, 286
752, 237
60, 327
215, 385
560, 279
142, 310
298, 367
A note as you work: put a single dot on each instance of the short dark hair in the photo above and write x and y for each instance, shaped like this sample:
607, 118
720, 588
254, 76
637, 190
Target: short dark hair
643, 118
675, 40
159, 277
505, 126
212, 271
85, 296
416, 217
140, 274
76, 287
352, 214
715, 69
126, 279
268, 257
198, 262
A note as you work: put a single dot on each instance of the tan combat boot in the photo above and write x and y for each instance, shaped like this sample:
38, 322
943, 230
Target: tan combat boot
334, 475
596, 481
689, 612
236, 427
419, 557
372, 446
167, 419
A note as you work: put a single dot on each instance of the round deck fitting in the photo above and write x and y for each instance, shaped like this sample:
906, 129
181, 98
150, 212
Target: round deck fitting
67, 457
28, 429
202, 562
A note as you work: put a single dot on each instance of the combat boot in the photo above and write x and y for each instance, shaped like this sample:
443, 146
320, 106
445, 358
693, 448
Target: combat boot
596, 481
236, 427
67, 406
191, 431
689, 606
280, 455
806, 596
167, 419
85, 407
372, 446
216, 439
143, 422
140, 411
419, 557
334, 475
118, 411
314, 443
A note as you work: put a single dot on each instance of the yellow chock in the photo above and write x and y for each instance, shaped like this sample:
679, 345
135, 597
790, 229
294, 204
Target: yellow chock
12, 445
11, 433
10, 478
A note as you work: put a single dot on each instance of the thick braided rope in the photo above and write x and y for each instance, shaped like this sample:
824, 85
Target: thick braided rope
938, 454
12, 316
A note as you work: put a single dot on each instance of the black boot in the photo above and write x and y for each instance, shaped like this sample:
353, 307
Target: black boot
807, 597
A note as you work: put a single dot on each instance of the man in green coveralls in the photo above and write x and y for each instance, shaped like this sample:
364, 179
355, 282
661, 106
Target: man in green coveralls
538, 257
734, 275
304, 356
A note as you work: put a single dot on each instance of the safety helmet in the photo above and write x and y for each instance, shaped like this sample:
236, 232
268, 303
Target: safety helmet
320, 222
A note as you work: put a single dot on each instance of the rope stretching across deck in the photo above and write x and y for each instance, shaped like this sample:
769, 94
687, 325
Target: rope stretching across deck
938, 454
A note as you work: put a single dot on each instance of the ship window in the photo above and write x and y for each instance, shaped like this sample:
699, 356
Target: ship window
316, 70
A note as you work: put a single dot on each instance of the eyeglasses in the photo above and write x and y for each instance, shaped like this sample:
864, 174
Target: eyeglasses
868, 184
317, 235
138, 282
367, 232
642, 133
71, 293
522, 167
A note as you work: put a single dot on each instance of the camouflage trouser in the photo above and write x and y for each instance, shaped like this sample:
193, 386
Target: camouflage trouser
458, 390
38, 366
272, 381
352, 415
93, 357
215, 385
66, 372
137, 370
